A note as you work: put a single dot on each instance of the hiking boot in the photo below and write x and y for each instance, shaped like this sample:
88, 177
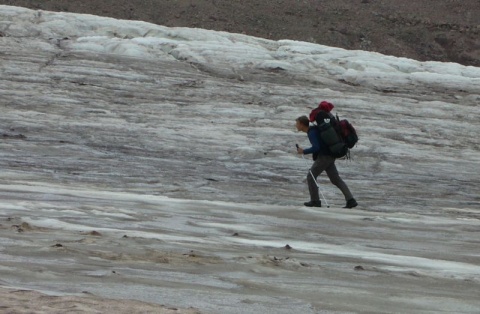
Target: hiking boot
351, 203
313, 204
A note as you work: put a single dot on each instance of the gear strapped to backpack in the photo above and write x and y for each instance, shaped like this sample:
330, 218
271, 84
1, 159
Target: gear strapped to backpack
338, 135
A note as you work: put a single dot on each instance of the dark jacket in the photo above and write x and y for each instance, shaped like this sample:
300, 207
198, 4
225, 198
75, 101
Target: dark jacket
318, 146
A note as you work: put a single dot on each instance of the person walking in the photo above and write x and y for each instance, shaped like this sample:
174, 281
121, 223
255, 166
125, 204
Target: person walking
323, 161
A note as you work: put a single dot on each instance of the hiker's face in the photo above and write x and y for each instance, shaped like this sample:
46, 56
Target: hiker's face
297, 125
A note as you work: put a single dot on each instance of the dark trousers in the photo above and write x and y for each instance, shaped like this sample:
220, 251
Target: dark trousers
327, 164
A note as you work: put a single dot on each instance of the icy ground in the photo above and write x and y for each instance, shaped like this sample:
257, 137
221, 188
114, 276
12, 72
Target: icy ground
158, 164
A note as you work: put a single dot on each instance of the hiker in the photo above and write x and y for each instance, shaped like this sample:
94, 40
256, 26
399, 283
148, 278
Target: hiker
323, 161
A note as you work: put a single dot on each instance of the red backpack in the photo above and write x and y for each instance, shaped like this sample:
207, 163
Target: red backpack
348, 133
345, 130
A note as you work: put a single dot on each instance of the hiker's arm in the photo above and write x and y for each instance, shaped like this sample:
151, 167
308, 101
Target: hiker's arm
312, 136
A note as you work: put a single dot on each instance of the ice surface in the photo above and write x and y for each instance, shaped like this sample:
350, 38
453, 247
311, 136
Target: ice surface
158, 164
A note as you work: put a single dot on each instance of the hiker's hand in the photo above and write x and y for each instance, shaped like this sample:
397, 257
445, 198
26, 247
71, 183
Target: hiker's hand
300, 150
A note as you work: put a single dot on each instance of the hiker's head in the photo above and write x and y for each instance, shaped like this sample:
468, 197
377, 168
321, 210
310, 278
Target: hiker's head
302, 123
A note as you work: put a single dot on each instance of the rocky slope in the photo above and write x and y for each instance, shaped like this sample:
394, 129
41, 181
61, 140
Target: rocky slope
446, 31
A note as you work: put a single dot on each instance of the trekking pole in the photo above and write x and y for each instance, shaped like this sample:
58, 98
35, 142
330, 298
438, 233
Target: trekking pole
314, 180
